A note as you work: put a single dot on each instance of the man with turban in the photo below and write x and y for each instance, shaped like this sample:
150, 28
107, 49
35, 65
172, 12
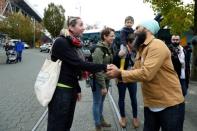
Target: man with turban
163, 100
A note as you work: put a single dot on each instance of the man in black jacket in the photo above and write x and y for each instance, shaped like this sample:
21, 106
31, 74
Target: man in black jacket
180, 62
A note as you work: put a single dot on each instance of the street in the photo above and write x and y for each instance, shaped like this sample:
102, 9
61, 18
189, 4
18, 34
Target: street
20, 110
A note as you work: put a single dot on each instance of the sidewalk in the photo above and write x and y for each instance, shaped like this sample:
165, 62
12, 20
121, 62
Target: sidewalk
191, 108
190, 123
128, 108
83, 120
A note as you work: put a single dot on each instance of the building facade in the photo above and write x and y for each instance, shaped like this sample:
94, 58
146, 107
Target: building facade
11, 6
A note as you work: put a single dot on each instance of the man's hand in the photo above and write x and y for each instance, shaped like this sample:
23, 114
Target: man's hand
113, 71
104, 91
78, 96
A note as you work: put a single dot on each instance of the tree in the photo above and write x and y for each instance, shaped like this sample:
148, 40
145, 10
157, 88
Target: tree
180, 18
177, 16
54, 19
18, 26
39, 30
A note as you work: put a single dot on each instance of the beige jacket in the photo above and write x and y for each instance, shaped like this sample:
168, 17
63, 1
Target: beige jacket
153, 67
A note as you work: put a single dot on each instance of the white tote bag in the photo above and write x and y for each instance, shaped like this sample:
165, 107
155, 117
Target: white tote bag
46, 81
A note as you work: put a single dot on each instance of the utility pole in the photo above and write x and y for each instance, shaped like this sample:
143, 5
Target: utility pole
34, 37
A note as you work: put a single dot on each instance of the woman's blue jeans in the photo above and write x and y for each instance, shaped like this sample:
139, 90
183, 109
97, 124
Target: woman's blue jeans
98, 100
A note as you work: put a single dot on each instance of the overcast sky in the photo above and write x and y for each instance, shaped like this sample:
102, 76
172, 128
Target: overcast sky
103, 12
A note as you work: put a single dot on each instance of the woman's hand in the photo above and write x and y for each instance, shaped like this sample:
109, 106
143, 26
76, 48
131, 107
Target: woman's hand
113, 71
79, 96
104, 91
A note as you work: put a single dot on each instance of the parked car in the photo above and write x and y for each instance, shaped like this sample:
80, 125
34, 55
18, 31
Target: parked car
12, 42
45, 47
26, 45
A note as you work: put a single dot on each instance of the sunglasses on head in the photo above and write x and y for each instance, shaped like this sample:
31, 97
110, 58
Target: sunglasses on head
175, 39
72, 18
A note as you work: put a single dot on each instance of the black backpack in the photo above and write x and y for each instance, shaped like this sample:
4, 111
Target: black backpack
115, 47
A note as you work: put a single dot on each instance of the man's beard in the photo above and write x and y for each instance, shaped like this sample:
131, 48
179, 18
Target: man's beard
175, 44
139, 40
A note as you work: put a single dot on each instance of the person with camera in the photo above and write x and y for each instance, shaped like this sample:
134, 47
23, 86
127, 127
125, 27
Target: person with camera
180, 62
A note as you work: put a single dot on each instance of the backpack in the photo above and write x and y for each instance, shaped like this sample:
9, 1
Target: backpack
115, 47
93, 76
103, 49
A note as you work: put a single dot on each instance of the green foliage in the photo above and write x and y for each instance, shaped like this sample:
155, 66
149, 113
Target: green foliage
39, 28
54, 19
177, 16
18, 26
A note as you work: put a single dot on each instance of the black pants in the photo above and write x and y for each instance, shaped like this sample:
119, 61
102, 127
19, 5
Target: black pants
183, 87
61, 110
132, 87
170, 119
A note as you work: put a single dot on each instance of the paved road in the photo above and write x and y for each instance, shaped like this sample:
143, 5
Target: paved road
190, 123
19, 109
83, 119
191, 108
83, 114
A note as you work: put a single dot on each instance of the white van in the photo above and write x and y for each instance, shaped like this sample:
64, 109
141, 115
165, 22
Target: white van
14, 41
